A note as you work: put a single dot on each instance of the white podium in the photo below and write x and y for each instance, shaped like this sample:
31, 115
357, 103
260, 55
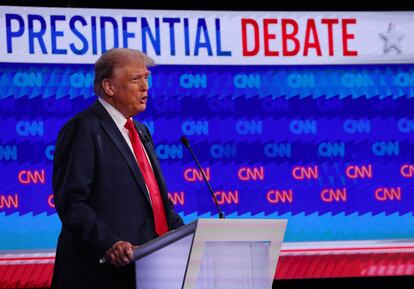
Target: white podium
212, 254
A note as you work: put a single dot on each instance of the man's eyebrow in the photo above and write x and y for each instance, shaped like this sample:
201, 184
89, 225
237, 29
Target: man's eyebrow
141, 73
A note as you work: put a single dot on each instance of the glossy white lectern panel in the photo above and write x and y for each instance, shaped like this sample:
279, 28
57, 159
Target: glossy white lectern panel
212, 254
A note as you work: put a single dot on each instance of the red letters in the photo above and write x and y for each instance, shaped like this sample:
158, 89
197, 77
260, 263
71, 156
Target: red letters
290, 36
252, 23
51, 201
311, 37
346, 36
269, 36
329, 23
311, 32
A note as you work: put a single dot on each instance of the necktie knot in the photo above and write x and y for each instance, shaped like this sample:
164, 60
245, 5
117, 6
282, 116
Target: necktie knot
129, 125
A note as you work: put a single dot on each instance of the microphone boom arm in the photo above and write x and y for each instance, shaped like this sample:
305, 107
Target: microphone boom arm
187, 144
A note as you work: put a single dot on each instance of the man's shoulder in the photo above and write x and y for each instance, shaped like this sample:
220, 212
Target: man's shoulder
87, 118
86, 115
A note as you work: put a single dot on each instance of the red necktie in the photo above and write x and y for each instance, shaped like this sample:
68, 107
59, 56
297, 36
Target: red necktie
160, 220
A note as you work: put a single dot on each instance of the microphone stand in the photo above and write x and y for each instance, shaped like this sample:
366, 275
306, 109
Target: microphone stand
185, 142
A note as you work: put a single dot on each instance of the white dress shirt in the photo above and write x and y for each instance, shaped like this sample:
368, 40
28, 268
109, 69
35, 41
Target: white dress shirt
120, 121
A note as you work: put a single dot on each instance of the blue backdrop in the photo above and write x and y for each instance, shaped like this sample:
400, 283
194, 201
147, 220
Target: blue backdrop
331, 148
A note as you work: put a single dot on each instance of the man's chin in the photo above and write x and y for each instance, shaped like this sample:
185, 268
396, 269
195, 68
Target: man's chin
141, 108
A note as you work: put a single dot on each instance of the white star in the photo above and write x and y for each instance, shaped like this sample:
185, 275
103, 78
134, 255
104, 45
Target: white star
392, 40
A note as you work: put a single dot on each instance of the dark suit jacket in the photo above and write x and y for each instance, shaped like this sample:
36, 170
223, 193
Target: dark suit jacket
101, 198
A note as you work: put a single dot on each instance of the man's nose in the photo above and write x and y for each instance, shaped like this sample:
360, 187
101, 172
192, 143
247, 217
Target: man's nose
144, 85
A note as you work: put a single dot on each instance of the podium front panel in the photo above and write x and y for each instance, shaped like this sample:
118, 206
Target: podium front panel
242, 265
234, 253
165, 268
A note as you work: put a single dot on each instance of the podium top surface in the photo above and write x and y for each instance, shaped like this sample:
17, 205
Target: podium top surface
219, 230
165, 240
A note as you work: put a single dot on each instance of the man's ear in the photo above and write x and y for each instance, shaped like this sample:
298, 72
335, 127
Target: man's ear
107, 87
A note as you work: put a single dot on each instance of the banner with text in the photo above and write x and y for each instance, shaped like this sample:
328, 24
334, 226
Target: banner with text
63, 35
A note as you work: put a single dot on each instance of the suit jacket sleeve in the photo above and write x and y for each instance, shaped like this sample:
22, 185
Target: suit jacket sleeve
73, 174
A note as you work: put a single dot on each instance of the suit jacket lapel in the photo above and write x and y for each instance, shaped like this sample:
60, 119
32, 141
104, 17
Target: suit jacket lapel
155, 166
112, 130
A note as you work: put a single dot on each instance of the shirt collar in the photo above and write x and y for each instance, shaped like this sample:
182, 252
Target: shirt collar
116, 115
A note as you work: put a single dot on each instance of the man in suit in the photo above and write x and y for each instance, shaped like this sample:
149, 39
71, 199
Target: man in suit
108, 187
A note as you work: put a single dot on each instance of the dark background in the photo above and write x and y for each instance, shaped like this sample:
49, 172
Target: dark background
263, 5
229, 5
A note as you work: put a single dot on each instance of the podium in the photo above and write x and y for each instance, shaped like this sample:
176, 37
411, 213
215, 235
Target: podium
212, 254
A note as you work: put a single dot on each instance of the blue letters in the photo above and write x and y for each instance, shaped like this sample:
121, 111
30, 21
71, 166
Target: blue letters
125, 33
202, 29
103, 32
39, 34
79, 35
218, 41
155, 40
56, 34
172, 21
9, 33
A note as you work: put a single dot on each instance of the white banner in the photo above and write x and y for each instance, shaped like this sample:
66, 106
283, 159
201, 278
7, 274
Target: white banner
73, 35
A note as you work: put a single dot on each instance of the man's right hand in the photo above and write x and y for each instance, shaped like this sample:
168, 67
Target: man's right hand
120, 254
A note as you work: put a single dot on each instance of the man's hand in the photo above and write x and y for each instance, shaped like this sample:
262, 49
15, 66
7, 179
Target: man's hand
120, 254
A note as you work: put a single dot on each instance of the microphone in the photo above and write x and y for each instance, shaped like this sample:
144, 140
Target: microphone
185, 142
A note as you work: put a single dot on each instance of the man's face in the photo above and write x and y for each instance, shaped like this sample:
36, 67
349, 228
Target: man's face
129, 88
